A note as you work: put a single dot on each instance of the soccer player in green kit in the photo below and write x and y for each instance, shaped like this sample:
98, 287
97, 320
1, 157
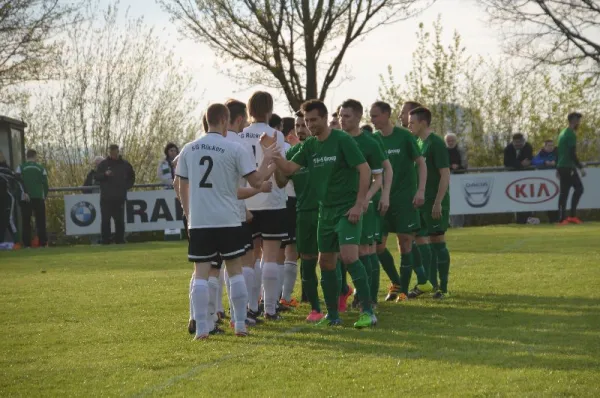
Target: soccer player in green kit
307, 217
350, 114
402, 217
435, 213
342, 177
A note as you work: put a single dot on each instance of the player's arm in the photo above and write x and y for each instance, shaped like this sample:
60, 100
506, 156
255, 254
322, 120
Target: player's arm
376, 184
280, 179
388, 177
184, 196
420, 196
248, 192
361, 204
177, 187
442, 189
181, 182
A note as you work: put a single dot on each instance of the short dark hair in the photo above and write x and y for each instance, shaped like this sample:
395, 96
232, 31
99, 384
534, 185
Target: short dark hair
518, 136
548, 140
112, 147
260, 105
205, 123
275, 120
169, 146
574, 116
216, 113
354, 105
31, 153
422, 113
299, 114
367, 127
334, 114
288, 125
412, 105
383, 107
236, 109
312, 105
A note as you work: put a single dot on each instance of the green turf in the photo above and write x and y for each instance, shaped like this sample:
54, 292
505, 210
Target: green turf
524, 319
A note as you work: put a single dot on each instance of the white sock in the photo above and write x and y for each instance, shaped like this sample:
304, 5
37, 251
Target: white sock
220, 291
228, 287
249, 279
270, 279
213, 286
289, 279
191, 306
254, 295
239, 298
280, 279
200, 303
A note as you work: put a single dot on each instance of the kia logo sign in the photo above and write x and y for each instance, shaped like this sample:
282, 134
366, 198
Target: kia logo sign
532, 190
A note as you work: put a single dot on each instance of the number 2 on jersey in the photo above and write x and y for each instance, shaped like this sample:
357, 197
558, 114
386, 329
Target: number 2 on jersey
203, 160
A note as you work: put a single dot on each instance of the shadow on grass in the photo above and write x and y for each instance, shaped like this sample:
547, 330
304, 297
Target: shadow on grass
471, 330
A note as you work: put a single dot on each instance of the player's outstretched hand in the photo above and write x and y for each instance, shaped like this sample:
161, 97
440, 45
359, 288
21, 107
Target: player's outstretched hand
292, 138
266, 187
419, 199
384, 205
270, 152
436, 212
267, 140
354, 213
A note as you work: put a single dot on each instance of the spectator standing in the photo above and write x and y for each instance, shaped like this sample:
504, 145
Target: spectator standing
166, 169
116, 177
10, 189
455, 153
90, 179
518, 156
567, 166
457, 164
35, 181
547, 156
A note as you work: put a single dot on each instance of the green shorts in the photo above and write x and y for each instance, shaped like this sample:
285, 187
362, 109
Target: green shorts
335, 230
307, 223
401, 219
429, 226
367, 236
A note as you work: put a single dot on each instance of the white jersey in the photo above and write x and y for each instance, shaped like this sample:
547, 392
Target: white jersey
233, 136
276, 198
289, 188
213, 167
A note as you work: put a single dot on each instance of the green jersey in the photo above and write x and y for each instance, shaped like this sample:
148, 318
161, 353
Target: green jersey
434, 150
402, 150
371, 151
567, 140
332, 167
35, 179
306, 196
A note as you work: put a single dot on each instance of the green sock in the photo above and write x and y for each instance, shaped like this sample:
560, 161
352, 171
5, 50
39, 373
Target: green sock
309, 282
417, 255
405, 271
443, 262
338, 275
342, 276
433, 266
359, 278
422, 276
387, 263
425, 257
330, 293
374, 277
366, 260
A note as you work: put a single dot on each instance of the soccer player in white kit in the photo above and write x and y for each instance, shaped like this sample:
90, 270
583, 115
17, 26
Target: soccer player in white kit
268, 209
209, 170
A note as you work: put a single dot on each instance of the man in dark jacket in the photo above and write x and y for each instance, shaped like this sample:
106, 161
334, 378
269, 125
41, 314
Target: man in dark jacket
11, 192
116, 177
518, 154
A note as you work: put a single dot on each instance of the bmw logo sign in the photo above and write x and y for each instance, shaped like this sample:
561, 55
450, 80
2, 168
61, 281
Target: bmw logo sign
83, 214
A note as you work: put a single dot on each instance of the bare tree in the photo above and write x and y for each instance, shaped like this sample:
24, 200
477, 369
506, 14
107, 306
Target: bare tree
286, 44
26, 53
551, 32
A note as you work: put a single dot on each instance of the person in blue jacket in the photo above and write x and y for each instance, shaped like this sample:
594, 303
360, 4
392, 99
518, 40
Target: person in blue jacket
547, 156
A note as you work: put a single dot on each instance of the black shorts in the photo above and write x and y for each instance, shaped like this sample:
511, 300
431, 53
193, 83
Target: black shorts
269, 224
248, 240
211, 244
291, 221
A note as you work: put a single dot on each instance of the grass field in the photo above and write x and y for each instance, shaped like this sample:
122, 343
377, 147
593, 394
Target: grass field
524, 319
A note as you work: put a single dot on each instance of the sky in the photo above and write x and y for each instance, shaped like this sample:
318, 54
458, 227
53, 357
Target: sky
366, 60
